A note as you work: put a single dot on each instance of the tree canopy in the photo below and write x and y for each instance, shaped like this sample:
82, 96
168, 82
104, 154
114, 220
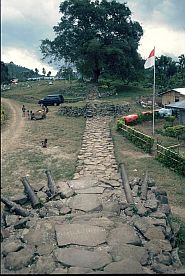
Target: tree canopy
4, 73
99, 37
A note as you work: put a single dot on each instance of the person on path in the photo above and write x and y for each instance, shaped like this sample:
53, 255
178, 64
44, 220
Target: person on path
44, 143
23, 110
28, 114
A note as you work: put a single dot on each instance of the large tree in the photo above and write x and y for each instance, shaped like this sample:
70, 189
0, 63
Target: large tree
97, 36
4, 73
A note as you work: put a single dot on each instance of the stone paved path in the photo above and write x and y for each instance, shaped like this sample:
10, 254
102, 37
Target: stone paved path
89, 228
96, 156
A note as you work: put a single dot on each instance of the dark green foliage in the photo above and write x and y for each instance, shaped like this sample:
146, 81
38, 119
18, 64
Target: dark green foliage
172, 131
19, 72
171, 160
169, 73
141, 140
4, 73
99, 37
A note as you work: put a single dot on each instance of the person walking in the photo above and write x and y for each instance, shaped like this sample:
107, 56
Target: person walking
28, 114
23, 110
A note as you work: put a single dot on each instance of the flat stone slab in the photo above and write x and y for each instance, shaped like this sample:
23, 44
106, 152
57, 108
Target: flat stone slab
82, 258
20, 259
123, 235
79, 270
156, 246
91, 190
80, 234
64, 189
122, 251
127, 266
85, 202
102, 222
83, 183
41, 232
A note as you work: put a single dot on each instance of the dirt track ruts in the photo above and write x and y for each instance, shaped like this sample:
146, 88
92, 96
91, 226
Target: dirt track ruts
11, 133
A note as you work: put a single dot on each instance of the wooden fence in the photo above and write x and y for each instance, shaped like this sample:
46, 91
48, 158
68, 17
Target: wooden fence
170, 158
143, 141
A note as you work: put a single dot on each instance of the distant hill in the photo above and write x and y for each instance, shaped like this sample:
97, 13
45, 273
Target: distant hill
19, 72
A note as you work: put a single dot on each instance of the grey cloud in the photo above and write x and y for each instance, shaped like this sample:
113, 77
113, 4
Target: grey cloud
166, 12
26, 22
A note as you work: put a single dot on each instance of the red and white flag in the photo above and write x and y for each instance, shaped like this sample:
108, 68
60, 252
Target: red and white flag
150, 61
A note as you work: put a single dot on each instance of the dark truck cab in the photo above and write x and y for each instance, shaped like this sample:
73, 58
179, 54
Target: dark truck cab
55, 99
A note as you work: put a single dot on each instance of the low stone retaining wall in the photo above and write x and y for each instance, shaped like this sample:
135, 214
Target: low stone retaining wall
90, 110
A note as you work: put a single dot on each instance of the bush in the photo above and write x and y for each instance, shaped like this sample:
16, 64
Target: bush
120, 122
175, 131
139, 139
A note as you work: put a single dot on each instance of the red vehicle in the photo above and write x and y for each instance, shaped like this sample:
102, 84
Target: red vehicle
130, 118
147, 113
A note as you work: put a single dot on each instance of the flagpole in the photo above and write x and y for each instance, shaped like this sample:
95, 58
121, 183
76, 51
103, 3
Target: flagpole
153, 129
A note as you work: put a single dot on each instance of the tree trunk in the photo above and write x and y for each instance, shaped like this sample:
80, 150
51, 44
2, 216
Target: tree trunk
96, 74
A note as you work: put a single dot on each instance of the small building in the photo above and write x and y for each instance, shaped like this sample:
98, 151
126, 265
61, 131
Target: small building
15, 81
180, 107
172, 96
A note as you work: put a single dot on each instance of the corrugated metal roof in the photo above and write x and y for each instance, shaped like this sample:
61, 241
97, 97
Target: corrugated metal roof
179, 105
180, 90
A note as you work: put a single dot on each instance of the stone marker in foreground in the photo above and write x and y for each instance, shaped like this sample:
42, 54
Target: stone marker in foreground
86, 203
81, 234
82, 258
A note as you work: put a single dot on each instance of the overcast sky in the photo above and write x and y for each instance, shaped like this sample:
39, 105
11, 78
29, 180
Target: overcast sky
24, 23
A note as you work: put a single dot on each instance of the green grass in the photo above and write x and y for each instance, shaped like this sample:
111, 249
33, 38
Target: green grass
180, 238
39, 89
31, 159
4, 114
129, 93
137, 162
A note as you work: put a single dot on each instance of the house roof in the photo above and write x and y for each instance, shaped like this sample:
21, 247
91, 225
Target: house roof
179, 90
178, 105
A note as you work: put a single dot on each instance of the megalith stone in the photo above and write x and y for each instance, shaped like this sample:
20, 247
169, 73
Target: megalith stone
80, 234
82, 258
85, 202
126, 266
83, 183
123, 235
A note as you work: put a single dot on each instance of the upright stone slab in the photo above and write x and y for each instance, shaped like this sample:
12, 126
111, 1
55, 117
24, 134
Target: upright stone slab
82, 258
83, 183
80, 234
85, 202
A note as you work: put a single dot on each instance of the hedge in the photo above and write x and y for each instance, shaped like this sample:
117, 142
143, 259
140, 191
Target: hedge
141, 140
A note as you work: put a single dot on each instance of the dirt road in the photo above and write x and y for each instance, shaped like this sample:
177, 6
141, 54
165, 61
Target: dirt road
10, 135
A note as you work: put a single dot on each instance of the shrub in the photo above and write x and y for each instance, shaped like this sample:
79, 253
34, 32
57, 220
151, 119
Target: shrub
141, 140
174, 131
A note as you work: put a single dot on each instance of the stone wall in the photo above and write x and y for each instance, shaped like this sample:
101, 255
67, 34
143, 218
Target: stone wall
90, 110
